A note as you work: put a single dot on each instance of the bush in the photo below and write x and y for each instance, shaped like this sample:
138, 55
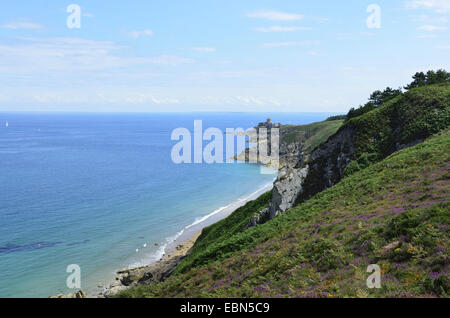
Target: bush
325, 254
363, 162
439, 285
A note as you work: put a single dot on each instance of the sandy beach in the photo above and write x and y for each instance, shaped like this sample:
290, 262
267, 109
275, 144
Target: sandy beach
190, 232
174, 251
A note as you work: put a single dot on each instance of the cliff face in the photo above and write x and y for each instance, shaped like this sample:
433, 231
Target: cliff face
295, 145
400, 123
307, 174
286, 189
328, 162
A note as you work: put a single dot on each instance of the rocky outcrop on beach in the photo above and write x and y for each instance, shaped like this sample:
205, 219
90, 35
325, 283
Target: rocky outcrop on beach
128, 278
144, 275
78, 294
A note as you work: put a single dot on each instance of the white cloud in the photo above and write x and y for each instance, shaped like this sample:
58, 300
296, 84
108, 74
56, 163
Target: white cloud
275, 15
22, 24
135, 34
315, 53
251, 100
4, 98
282, 29
431, 28
443, 47
224, 62
320, 19
429, 19
168, 60
88, 15
40, 57
117, 96
344, 36
146, 98
204, 49
288, 44
439, 6
427, 36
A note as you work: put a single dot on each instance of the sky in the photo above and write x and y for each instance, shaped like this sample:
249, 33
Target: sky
214, 55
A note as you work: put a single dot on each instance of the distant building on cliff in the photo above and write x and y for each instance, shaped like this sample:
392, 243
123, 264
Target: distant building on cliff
268, 124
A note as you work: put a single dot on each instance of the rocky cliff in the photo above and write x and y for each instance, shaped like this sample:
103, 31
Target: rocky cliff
400, 123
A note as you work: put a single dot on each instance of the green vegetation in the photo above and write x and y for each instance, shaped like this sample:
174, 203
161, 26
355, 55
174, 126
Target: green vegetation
364, 161
407, 118
401, 122
311, 135
207, 244
379, 98
430, 78
337, 117
394, 213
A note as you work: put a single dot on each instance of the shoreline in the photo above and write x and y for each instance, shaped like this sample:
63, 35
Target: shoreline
174, 252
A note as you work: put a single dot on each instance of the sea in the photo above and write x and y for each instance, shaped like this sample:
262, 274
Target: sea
101, 191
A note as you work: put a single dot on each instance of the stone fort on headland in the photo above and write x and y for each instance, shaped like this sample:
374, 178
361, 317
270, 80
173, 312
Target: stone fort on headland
268, 124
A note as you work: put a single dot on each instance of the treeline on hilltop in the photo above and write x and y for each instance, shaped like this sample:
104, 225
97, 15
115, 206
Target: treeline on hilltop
378, 97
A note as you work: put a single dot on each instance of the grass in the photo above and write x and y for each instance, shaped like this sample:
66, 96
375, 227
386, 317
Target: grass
394, 213
311, 135
364, 140
414, 115
223, 230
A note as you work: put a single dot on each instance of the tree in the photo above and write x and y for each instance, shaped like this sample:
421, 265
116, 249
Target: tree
378, 98
420, 79
442, 76
361, 110
430, 78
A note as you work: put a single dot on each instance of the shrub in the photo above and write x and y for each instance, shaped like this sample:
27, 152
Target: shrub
324, 253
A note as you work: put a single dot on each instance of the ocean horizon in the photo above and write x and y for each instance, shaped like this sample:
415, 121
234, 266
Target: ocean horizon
100, 190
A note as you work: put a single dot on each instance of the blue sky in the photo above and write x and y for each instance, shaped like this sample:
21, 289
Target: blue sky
177, 55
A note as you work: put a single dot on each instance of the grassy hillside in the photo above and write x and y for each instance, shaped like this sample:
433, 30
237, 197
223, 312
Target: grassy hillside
402, 121
394, 213
223, 230
311, 135
412, 116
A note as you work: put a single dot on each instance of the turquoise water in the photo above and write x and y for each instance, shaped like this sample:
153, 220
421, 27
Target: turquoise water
94, 189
